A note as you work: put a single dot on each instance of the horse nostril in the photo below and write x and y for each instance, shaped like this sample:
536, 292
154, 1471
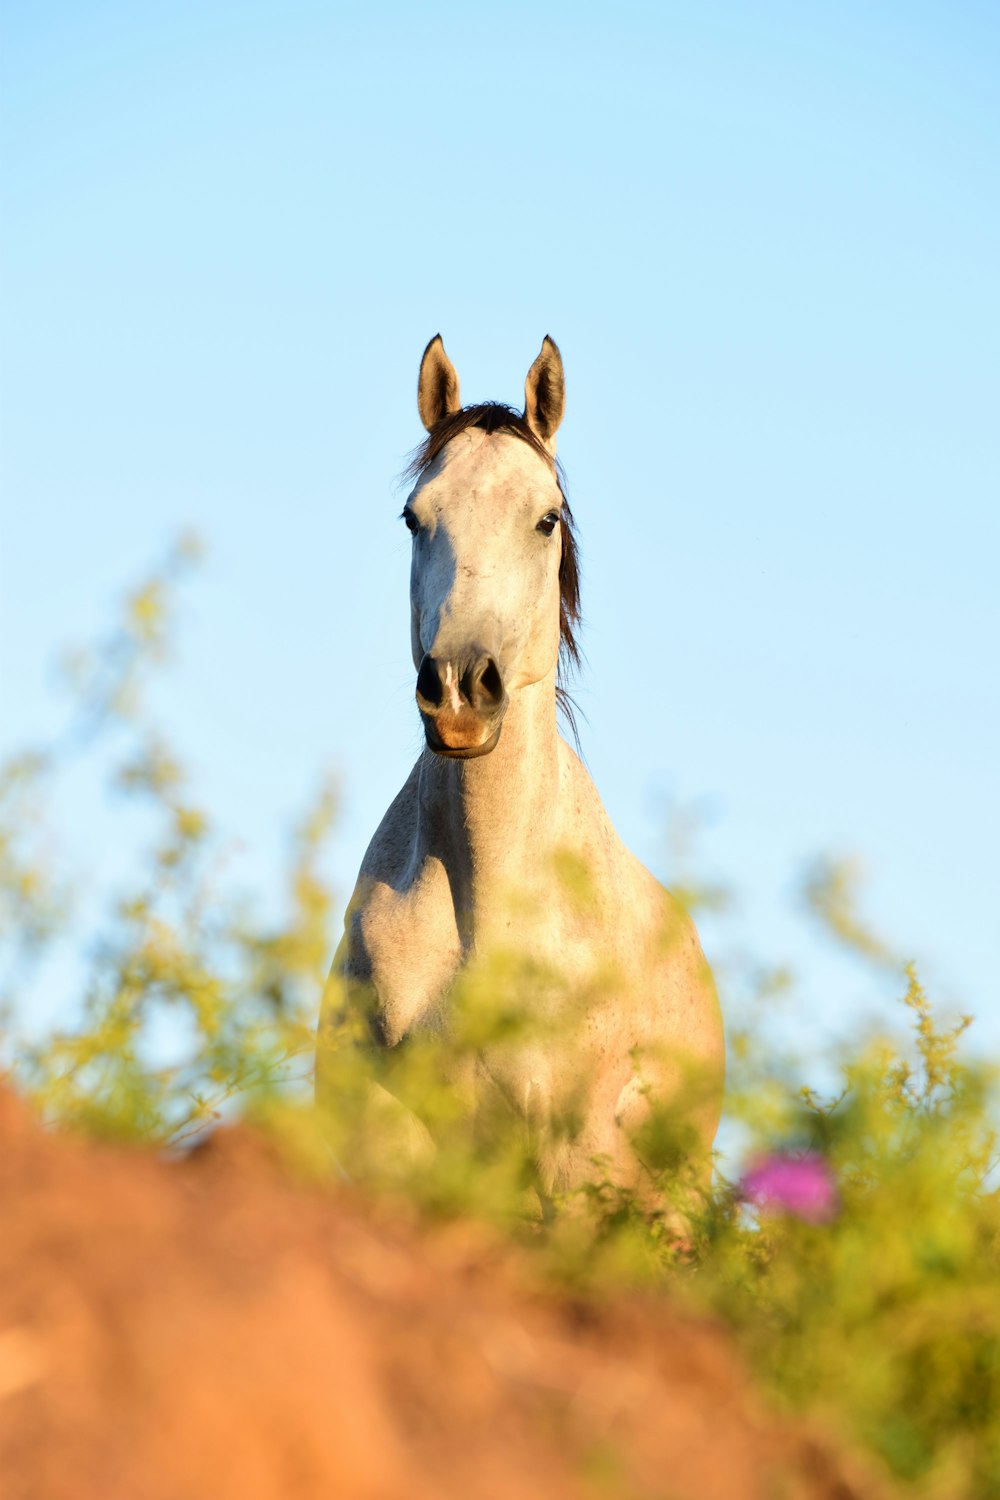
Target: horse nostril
429, 686
483, 685
491, 682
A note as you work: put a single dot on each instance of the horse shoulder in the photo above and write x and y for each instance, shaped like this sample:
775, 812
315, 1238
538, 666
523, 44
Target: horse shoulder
401, 946
647, 933
625, 896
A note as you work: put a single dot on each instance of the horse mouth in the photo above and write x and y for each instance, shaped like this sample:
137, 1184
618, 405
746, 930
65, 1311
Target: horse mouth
461, 736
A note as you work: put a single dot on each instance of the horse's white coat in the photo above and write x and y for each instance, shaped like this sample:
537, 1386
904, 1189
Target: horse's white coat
464, 863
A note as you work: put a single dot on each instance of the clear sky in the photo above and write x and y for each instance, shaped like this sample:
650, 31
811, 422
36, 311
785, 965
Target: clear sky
766, 237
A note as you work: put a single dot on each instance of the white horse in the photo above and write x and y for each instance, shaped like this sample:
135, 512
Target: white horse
471, 858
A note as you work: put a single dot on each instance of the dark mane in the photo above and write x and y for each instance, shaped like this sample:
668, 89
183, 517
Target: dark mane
495, 416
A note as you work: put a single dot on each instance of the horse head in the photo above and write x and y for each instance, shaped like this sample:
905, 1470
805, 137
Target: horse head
493, 582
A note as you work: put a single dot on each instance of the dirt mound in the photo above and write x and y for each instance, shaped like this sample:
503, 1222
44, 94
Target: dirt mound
208, 1328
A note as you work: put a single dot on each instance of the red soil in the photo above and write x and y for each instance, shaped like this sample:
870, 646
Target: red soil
208, 1328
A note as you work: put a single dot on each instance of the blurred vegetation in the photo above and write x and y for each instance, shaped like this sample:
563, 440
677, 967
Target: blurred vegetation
181, 963
879, 1317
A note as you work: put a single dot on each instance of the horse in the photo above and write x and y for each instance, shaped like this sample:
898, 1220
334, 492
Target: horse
498, 841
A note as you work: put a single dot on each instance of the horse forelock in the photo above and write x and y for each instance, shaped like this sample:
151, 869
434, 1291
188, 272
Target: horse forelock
496, 416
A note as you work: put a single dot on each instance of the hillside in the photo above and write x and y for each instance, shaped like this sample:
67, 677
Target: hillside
208, 1327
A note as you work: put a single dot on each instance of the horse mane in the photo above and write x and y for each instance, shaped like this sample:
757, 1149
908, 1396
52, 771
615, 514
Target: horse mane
496, 416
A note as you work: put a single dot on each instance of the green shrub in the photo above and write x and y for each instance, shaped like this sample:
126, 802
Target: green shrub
874, 1305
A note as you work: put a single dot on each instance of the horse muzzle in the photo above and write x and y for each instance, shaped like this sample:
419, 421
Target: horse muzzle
462, 704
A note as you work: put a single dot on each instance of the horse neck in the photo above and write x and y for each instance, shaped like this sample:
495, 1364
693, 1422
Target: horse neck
492, 820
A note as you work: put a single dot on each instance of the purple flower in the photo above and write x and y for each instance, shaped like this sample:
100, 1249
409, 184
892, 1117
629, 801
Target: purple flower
799, 1185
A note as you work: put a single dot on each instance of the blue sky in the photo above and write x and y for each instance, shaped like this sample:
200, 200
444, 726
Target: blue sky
766, 238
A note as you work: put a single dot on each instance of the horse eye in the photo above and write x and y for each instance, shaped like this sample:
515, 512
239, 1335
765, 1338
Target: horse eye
548, 524
412, 524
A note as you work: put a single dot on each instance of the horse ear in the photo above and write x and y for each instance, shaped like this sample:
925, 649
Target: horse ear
437, 388
545, 394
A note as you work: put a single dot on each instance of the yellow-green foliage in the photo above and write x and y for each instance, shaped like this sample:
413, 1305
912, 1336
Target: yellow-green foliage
181, 947
887, 1317
880, 1315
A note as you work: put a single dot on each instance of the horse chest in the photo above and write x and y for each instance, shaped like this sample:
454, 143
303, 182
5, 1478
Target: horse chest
410, 944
